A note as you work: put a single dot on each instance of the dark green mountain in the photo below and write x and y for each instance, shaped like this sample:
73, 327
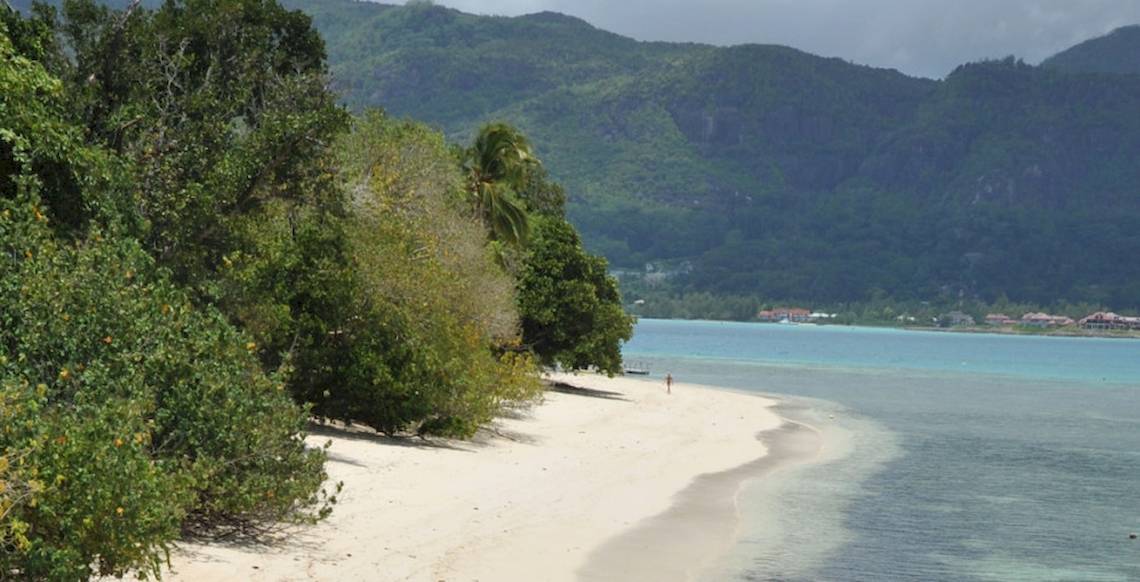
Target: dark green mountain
763, 170
1116, 52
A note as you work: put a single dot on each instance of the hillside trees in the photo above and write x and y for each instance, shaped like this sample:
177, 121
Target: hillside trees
782, 174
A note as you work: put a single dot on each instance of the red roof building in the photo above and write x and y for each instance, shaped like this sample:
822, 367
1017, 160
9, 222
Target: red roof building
1109, 320
1000, 319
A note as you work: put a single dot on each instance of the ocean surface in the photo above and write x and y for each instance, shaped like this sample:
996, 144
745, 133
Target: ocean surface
951, 456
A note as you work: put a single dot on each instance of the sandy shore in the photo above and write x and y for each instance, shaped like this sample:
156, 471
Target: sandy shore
591, 484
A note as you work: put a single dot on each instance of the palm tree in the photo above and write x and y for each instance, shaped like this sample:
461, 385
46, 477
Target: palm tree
497, 166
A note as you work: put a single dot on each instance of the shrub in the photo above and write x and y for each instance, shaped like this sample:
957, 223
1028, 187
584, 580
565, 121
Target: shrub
137, 415
417, 335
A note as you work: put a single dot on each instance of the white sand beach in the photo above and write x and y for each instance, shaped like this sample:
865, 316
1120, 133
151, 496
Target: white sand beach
536, 498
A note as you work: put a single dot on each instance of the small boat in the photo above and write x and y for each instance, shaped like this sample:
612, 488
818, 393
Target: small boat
636, 369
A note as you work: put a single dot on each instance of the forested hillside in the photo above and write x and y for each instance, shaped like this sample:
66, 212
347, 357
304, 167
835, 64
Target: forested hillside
1116, 52
762, 170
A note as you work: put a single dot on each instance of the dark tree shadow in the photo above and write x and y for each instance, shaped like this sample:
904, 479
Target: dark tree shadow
279, 538
494, 431
565, 388
360, 433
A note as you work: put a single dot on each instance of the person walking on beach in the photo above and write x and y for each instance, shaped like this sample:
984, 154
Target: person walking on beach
668, 383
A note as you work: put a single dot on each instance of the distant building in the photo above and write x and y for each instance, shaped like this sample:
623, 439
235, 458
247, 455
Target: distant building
957, 319
999, 319
796, 314
793, 314
1043, 320
1109, 320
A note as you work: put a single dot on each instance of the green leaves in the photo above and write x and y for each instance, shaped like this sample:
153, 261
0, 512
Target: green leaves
570, 307
415, 341
497, 165
140, 414
130, 414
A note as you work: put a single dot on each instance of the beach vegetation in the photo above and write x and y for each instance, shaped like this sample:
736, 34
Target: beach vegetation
425, 336
572, 314
201, 253
133, 415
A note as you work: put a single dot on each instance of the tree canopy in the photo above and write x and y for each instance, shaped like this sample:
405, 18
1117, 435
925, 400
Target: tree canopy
201, 253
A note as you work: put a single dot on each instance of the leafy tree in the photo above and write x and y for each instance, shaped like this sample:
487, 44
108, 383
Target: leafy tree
416, 341
221, 108
571, 311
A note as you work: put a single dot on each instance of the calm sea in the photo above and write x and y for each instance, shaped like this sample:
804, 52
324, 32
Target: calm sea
952, 457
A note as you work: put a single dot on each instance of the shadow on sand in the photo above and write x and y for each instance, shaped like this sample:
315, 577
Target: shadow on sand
565, 388
360, 433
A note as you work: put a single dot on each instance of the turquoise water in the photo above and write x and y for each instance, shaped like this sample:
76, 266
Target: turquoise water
971, 457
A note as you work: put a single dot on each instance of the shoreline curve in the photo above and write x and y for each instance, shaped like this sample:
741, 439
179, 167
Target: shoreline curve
704, 521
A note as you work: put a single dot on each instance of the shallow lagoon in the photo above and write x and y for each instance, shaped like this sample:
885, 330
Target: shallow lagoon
959, 456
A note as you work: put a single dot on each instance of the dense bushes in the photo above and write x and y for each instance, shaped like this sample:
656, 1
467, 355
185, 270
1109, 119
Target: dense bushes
195, 259
130, 415
138, 414
422, 343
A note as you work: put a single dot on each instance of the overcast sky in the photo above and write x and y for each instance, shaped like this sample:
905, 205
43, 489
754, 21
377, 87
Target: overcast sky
919, 37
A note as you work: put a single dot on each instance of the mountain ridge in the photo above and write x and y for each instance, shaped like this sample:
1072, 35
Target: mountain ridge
763, 170
767, 171
1117, 52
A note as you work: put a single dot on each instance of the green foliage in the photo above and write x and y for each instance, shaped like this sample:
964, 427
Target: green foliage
39, 150
137, 414
570, 307
496, 167
417, 343
219, 105
130, 414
